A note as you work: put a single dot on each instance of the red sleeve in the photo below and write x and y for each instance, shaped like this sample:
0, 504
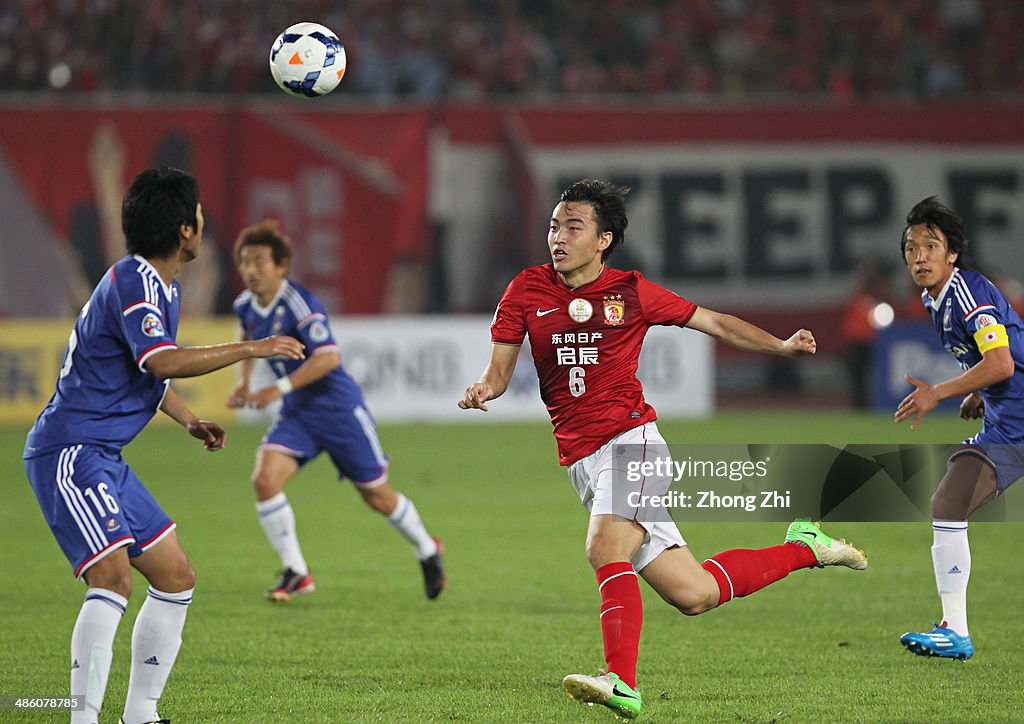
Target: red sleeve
508, 326
660, 306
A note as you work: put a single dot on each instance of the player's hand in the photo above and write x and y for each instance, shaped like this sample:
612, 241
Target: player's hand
918, 403
476, 395
212, 434
262, 398
972, 407
239, 396
279, 346
800, 344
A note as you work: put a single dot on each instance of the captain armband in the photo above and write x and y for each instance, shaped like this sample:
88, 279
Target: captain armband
990, 337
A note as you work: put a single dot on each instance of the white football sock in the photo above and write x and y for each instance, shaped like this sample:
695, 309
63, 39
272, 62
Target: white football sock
951, 557
92, 648
406, 520
156, 639
278, 521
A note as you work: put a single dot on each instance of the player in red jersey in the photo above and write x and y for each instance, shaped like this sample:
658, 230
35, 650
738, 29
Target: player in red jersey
586, 322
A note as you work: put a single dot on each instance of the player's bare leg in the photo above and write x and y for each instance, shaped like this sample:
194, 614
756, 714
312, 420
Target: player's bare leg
112, 572
92, 641
968, 484
166, 566
156, 637
273, 471
682, 582
404, 518
611, 543
382, 498
611, 538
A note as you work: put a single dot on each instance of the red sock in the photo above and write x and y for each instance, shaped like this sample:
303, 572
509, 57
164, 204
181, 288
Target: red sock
622, 616
741, 571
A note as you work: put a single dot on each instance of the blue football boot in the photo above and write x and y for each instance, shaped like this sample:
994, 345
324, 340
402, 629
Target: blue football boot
940, 641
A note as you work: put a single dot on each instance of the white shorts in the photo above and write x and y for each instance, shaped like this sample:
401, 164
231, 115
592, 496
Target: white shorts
608, 484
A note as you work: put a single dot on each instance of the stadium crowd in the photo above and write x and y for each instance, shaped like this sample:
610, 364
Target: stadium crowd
467, 49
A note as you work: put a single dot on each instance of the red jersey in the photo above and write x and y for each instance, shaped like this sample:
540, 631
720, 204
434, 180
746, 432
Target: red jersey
586, 346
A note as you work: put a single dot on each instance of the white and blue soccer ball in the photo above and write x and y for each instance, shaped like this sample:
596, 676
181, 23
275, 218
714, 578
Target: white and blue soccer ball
307, 60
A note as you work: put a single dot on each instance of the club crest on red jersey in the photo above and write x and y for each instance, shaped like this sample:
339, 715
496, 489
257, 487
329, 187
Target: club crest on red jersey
614, 310
580, 310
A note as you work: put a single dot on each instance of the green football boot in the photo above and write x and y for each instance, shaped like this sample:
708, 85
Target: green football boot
828, 551
608, 690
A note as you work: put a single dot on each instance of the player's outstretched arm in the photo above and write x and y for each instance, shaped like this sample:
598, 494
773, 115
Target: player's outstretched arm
494, 381
743, 335
212, 434
318, 366
195, 361
996, 365
239, 396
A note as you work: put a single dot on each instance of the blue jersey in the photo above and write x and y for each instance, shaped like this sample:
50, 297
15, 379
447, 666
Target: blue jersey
971, 316
105, 395
295, 312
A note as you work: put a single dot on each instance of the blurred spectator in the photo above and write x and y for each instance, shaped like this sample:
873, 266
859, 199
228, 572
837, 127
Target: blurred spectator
868, 309
437, 49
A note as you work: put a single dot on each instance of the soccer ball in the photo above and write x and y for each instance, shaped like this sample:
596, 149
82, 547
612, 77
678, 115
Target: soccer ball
307, 60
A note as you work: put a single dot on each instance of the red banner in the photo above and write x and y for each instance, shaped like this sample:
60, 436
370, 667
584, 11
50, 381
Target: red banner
349, 189
744, 206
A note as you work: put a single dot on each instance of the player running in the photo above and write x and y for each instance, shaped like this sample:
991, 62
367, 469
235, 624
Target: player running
986, 337
323, 411
116, 374
586, 324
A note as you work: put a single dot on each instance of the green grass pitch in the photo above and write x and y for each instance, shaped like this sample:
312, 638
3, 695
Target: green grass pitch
521, 609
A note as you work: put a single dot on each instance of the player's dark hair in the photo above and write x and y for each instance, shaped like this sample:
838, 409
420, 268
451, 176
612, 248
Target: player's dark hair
935, 215
609, 203
155, 206
265, 233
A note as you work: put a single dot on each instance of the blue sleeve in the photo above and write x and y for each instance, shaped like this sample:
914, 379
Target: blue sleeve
977, 297
143, 315
314, 330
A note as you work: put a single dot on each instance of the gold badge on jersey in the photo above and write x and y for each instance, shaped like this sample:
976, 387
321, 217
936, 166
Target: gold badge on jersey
614, 310
580, 310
